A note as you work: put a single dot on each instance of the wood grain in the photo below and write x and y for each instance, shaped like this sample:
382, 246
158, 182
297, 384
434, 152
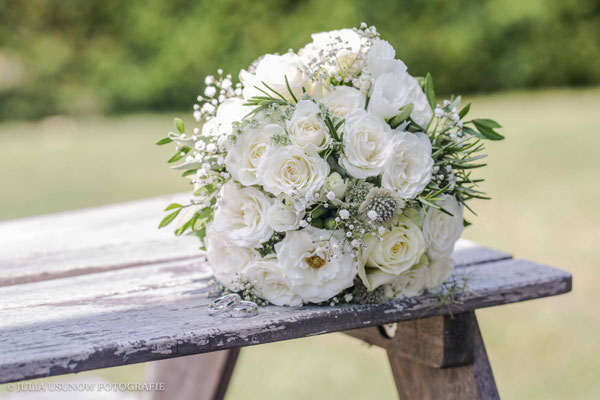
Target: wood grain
439, 342
417, 381
160, 311
93, 240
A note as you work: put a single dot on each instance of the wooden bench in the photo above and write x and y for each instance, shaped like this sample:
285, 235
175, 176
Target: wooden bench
103, 287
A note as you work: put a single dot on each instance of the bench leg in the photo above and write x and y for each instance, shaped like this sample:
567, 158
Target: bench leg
198, 377
439, 357
415, 380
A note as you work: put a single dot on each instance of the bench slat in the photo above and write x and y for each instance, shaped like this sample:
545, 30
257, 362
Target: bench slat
159, 311
115, 237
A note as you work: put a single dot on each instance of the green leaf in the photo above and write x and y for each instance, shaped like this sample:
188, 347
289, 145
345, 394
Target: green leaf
173, 206
163, 141
487, 132
490, 123
466, 223
405, 111
464, 111
179, 155
205, 213
317, 223
168, 219
179, 125
290, 89
206, 190
317, 212
189, 172
428, 88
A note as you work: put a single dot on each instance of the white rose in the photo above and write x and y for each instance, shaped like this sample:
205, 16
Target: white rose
290, 170
410, 283
409, 167
273, 69
366, 144
270, 283
400, 249
241, 215
441, 231
345, 43
343, 100
306, 128
392, 91
230, 111
246, 153
316, 270
282, 216
438, 271
380, 59
336, 184
226, 260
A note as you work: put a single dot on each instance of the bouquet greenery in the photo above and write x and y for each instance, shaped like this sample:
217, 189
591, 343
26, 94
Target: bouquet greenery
330, 175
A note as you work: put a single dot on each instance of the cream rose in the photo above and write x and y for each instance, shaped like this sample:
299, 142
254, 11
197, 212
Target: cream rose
344, 42
270, 283
366, 144
288, 170
316, 269
273, 69
400, 249
392, 91
380, 59
410, 283
441, 231
241, 215
282, 216
246, 153
230, 111
438, 271
335, 184
227, 260
306, 128
409, 166
343, 100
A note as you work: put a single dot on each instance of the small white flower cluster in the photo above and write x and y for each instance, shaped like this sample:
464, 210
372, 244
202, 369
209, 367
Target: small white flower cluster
311, 176
217, 90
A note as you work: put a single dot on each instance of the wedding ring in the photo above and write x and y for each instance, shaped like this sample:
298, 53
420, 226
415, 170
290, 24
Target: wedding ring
243, 309
223, 303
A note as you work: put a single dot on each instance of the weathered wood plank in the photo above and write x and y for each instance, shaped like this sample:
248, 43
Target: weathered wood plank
115, 237
159, 311
87, 241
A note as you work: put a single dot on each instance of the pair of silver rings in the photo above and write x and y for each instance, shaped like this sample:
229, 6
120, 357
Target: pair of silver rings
232, 305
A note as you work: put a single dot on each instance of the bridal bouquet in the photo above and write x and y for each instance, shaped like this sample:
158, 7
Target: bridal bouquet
330, 175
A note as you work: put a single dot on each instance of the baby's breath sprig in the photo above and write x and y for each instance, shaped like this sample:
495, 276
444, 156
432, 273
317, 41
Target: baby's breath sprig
218, 89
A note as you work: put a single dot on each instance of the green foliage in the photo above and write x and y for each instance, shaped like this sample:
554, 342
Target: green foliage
85, 57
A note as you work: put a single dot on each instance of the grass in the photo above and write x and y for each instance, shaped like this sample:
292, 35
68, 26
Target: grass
544, 181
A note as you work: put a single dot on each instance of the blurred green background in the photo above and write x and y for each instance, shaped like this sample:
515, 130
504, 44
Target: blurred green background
87, 87
99, 56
